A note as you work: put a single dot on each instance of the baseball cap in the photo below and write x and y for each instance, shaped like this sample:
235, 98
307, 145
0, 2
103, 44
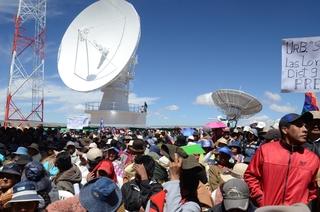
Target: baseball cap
235, 194
290, 118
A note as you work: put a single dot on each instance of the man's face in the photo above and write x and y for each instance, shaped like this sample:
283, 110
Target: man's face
32, 152
112, 155
296, 132
71, 149
314, 127
6, 182
24, 206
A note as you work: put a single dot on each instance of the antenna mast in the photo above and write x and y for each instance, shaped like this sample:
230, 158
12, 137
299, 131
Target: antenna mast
25, 95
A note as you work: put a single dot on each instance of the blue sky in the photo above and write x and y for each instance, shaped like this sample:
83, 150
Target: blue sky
188, 48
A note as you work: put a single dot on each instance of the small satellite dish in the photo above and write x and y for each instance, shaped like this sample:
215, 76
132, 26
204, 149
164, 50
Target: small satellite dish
236, 104
98, 45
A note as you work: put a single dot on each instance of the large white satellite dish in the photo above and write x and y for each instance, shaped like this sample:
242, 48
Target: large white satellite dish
236, 104
98, 51
99, 43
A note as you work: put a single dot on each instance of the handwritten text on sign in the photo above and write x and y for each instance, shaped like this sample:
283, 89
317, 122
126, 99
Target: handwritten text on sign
301, 64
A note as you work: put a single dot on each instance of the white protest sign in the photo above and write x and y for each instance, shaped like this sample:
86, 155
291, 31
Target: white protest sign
77, 122
300, 64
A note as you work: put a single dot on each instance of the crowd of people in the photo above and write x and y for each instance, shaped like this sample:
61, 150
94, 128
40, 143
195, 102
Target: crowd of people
249, 168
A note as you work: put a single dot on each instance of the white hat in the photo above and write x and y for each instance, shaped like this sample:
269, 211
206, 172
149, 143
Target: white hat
93, 154
93, 145
140, 137
237, 172
260, 125
246, 129
164, 161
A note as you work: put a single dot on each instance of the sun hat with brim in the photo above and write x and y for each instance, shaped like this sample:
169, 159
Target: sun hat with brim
138, 146
188, 161
93, 154
85, 141
193, 149
34, 146
24, 191
235, 144
169, 150
101, 195
315, 114
11, 169
272, 134
222, 140
235, 194
23, 160
237, 171
21, 151
93, 145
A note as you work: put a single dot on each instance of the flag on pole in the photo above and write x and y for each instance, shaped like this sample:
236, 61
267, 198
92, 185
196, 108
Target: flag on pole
310, 102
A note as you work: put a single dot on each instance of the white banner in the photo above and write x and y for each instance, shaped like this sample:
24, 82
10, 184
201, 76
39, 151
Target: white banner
77, 122
300, 64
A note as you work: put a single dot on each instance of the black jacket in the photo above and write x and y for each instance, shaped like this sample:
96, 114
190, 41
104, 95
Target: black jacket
313, 146
136, 194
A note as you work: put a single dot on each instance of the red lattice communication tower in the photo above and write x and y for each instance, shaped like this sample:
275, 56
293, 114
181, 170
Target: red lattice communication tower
25, 96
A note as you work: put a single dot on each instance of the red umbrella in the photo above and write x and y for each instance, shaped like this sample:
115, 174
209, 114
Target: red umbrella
215, 125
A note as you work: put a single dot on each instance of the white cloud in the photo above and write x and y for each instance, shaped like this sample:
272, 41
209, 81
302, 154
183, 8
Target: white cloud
282, 108
61, 101
257, 118
172, 107
204, 99
273, 97
134, 99
9, 8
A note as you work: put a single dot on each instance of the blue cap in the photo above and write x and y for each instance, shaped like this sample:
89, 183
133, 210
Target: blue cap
225, 150
288, 119
21, 151
235, 144
205, 143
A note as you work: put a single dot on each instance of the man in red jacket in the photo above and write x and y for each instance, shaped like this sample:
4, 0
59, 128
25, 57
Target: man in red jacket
283, 173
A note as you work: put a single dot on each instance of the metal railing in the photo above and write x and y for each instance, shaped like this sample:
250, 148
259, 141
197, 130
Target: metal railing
94, 106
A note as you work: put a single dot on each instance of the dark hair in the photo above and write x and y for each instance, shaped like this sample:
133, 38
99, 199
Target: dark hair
147, 162
189, 182
63, 161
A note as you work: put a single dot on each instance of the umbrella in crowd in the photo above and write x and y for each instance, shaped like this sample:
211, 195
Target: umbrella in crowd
215, 125
187, 131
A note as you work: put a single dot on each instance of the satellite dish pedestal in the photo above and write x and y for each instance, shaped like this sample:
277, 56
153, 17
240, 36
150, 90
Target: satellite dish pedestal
115, 95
